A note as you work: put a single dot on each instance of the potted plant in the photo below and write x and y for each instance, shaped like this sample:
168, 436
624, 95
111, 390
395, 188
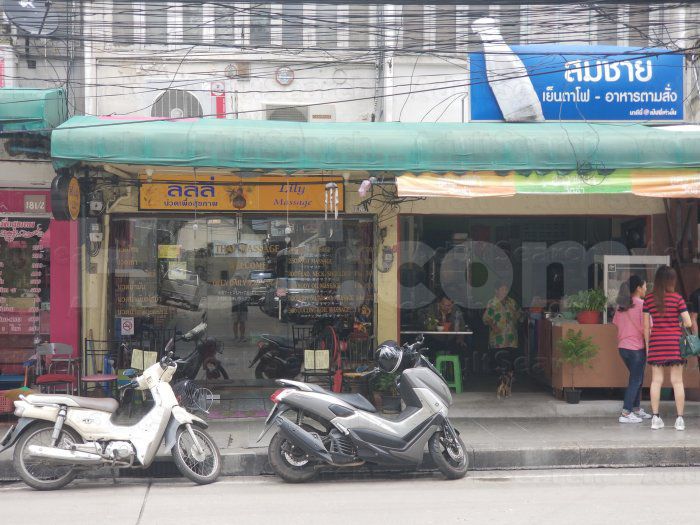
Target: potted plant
575, 350
385, 393
431, 323
587, 305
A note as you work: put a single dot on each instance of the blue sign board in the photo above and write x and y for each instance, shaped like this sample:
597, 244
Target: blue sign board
590, 83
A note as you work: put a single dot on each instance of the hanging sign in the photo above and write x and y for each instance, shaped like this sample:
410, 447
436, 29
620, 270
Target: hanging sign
65, 197
671, 183
233, 193
598, 83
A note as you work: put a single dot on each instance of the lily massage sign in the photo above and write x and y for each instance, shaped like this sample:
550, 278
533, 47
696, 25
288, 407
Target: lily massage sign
234, 193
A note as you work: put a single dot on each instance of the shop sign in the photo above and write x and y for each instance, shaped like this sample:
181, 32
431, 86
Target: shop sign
599, 83
679, 183
65, 197
233, 193
169, 251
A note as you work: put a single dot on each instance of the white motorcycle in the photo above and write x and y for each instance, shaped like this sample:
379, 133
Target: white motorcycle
59, 435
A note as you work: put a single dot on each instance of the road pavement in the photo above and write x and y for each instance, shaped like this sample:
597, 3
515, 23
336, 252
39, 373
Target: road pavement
601, 496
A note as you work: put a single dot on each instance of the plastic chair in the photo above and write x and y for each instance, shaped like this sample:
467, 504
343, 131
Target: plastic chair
62, 369
301, 337
103, 375
440, 364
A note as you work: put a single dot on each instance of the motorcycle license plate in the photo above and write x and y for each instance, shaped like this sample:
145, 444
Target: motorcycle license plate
6, 437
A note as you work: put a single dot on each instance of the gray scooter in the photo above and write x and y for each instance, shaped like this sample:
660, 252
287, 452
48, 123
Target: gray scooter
317, 428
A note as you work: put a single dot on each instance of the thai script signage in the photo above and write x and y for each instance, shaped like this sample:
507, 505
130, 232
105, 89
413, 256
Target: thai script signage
23, 264
234, 193
600, 83
671, 183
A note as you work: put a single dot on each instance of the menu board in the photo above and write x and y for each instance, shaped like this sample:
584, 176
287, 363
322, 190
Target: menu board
24, 264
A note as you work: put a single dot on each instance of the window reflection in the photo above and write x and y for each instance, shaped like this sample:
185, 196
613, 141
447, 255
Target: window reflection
252, 275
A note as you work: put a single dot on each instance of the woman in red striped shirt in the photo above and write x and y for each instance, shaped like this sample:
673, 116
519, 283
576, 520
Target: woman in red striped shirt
664, 311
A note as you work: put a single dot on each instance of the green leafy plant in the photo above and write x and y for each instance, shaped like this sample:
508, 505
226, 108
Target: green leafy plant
576, 351
386, 384
586, 301
431, 323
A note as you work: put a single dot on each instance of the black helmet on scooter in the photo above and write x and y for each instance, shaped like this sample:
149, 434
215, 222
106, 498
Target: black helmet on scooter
388, 356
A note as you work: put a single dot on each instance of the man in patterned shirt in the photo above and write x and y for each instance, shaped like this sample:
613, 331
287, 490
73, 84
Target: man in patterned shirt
502, 316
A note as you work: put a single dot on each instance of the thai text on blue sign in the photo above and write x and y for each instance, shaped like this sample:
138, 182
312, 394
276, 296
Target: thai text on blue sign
590, 83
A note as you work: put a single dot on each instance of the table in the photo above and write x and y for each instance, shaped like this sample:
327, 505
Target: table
427, 332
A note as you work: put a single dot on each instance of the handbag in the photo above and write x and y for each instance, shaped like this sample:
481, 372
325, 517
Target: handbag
690, 344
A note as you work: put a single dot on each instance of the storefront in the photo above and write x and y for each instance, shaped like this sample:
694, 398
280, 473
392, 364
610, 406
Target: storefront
38, 279
191, 250
39, 264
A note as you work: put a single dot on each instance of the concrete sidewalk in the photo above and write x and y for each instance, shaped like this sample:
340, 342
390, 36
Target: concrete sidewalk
493, 443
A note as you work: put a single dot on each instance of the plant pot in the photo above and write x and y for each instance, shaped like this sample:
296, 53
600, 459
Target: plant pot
588, 317
377, 400
391, 404
572, 395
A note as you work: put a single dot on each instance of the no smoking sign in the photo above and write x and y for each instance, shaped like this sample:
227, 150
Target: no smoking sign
127, 326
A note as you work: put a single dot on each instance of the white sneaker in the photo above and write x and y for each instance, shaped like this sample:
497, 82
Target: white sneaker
680, 424
657, 423
641, 413
629, 418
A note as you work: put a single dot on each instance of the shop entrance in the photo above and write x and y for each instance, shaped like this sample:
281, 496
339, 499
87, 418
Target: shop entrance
453, 266
259, 279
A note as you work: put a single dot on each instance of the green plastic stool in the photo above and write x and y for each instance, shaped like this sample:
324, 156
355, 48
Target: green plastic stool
456, 382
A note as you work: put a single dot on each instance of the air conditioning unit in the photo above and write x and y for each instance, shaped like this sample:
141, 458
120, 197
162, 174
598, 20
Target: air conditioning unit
323, 113
288, 113
186, 99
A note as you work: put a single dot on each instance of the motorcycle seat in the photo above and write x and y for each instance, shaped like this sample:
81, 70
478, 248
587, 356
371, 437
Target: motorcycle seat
280, 340
104, 404
355, 400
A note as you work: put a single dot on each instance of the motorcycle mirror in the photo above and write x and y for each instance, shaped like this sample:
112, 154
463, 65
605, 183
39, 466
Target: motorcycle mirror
130, 373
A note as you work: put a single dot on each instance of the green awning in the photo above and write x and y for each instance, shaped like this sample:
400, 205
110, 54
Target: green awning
252, 144
32, 109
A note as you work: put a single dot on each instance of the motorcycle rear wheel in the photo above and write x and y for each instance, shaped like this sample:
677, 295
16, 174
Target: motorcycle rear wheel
451, 459
44, 474
203, 470
289, 463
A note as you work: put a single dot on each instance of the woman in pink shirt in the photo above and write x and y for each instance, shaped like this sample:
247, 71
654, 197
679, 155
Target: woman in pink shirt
629, 320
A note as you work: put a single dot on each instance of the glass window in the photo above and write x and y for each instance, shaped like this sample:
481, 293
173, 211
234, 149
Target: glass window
156, 18
260, 25
122, 22
292, 24
255, 277
192, 23
326, 26
24, 289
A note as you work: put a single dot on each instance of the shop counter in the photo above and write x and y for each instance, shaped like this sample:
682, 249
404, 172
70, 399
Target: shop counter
606, 370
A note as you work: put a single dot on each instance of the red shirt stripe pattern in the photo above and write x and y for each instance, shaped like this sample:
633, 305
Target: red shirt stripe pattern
664, 340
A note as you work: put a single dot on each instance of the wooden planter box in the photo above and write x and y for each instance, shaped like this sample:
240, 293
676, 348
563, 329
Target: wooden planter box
607, 370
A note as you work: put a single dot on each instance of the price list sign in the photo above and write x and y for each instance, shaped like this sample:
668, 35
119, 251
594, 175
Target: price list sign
23, 266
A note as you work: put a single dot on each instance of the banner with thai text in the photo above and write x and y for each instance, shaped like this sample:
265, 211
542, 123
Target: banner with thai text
679, 183
597, 83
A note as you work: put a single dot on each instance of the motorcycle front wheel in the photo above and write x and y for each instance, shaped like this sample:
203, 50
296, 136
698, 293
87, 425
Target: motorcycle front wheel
38, 473
289, 462
449, 456
202, 468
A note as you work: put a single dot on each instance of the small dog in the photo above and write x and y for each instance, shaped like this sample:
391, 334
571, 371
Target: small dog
505, 384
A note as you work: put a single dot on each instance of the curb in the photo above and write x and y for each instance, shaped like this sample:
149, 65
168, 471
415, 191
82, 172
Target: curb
481, 458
